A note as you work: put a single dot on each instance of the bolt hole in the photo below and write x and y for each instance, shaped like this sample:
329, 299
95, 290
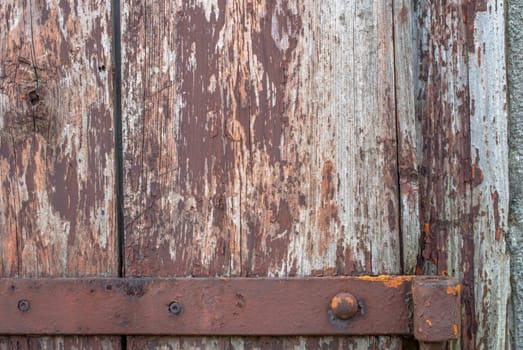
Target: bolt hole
33, 98
24, 305
175, 308
101, 68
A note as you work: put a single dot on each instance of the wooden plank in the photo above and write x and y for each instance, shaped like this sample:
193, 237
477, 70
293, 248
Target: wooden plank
464, 190
406, 71
307, 205
489, 147
56, 147
260, 140
178, 219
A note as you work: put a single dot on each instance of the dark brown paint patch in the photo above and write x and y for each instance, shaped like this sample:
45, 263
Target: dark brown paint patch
471, 9
328, 210
199, 146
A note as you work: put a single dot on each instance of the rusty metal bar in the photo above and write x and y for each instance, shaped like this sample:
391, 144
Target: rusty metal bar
433, 346
214, 306
436, 309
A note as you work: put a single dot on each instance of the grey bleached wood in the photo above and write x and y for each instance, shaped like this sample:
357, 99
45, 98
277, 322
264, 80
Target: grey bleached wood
464, 188
406, 70
489, 152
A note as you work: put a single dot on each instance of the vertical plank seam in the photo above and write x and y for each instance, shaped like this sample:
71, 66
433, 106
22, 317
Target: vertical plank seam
118, 146
396, 118
117, 120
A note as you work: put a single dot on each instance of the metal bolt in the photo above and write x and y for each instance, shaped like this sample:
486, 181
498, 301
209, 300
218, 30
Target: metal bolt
344, 306
175, 308
24, 305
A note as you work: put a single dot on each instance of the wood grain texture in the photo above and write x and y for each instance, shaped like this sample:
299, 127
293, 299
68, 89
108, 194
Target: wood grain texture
260, 140
406, 72
263, 343
489, 147
56, 148
464, 189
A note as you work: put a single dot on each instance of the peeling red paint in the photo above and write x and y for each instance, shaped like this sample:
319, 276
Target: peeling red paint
495, 201
328, 210
471, 8
447, 169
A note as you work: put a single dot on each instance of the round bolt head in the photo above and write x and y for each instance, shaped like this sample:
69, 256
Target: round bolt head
175, 308
344, 306
24, 305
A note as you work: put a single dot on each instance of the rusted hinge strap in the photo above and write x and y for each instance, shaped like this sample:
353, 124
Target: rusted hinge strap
427, 307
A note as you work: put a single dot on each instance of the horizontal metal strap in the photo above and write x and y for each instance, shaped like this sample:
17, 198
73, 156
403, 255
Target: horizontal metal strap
227, 306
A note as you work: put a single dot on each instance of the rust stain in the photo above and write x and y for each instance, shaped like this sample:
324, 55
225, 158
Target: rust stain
476, 172
430, 298
455, 329
495, 202
454, 290
388, 280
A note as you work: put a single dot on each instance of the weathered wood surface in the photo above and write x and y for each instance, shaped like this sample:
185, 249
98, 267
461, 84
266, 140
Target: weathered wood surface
463, 187
56, 148
267, 138
515, 84
260, 140
406, 74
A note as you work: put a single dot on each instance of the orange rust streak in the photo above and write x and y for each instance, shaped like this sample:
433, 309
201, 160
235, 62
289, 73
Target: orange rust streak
335, 302
389, 281
454, 290
455, 328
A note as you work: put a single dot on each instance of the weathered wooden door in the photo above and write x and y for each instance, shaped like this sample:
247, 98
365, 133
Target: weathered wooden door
256, 138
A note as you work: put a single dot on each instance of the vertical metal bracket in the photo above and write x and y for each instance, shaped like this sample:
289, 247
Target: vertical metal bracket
436, 316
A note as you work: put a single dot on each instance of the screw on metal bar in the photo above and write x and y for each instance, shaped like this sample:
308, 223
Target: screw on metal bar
175, 308
24, 305
344, 306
